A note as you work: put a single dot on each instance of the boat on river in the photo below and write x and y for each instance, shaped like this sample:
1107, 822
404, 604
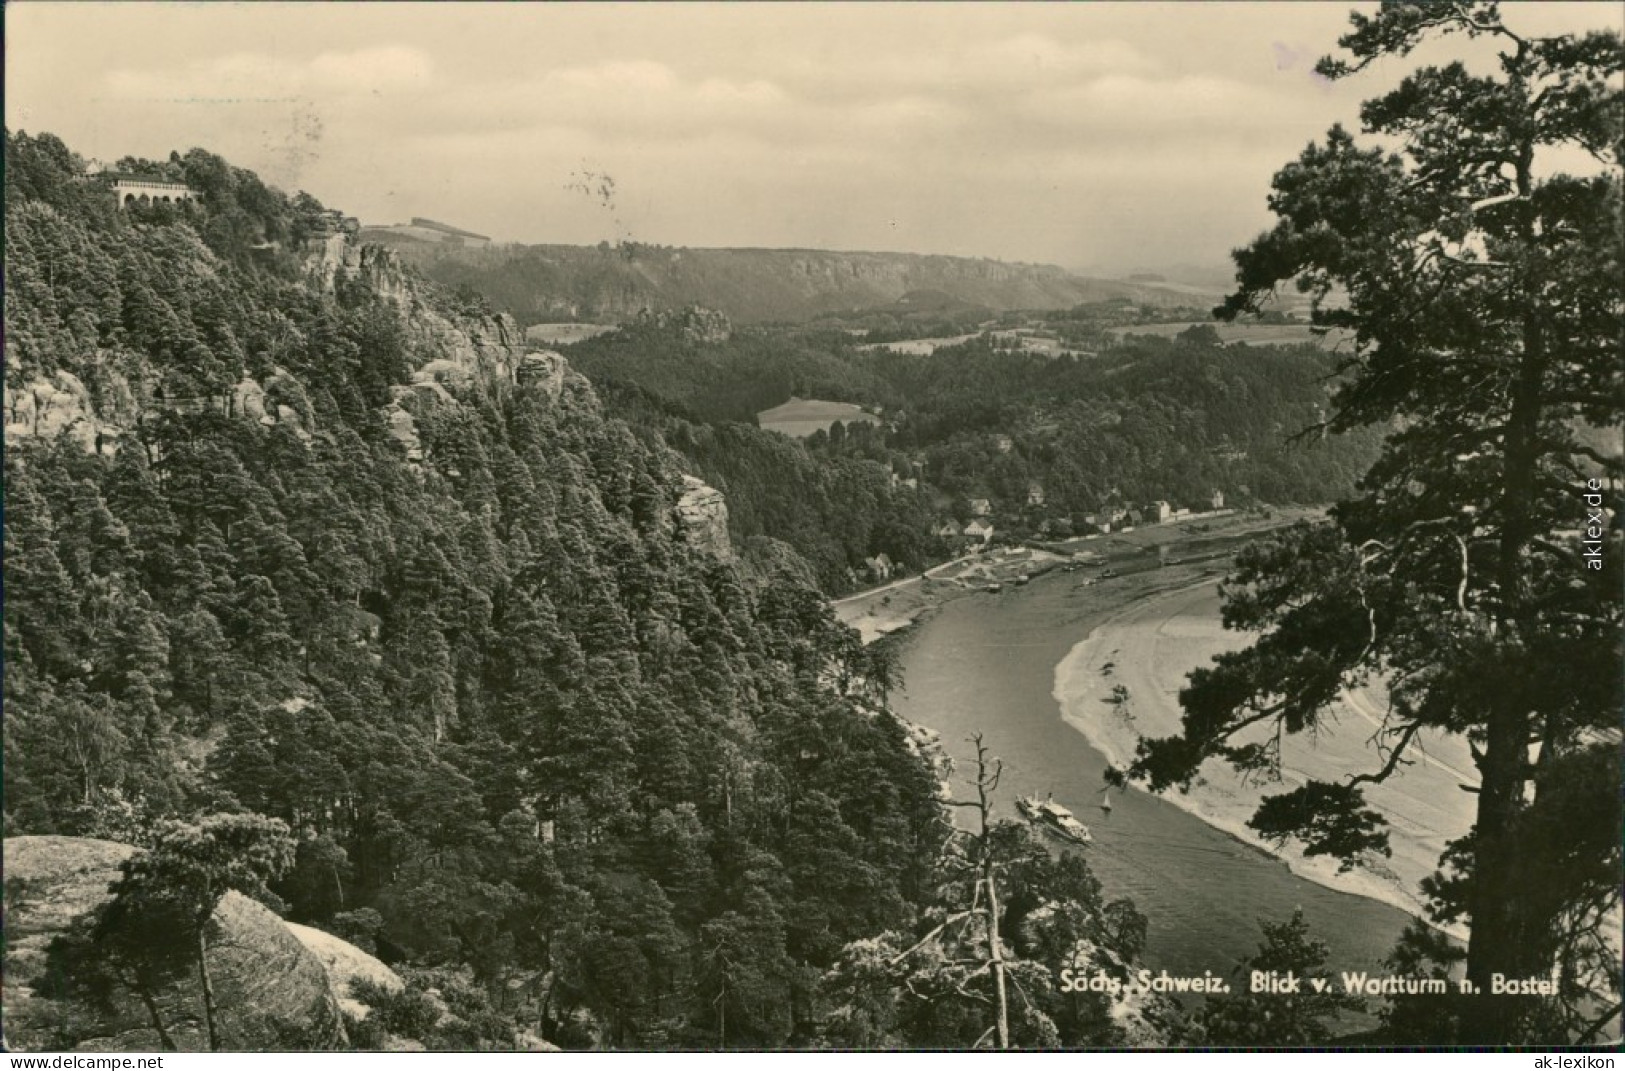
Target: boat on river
1054, 818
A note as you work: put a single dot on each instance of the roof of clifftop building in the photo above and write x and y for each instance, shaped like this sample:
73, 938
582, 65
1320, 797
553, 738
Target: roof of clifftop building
435, 225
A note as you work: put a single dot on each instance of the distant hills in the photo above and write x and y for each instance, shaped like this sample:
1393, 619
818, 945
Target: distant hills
544, 283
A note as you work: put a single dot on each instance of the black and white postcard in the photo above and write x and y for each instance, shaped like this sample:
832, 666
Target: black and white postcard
844, 527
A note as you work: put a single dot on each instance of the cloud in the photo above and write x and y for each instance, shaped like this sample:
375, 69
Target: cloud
973, 69
256, 75
1035, 131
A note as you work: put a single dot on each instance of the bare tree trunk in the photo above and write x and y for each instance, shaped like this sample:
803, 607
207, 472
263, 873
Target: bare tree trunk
997, 956
155, 1016
208, 986
986, 782
722, 1017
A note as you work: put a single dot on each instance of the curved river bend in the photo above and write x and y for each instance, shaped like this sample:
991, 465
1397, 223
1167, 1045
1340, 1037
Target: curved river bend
987, 663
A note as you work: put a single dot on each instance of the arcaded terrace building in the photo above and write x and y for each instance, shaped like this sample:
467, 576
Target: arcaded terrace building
134, 190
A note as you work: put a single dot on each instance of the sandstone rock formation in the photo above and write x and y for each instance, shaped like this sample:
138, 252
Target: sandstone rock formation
484, 348
345, 963
53, 406
271, 992
704, 515
544, 369
694, 323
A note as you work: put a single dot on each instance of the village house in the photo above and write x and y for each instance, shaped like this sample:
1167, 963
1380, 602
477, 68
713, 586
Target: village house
880, 567
981, 531
1217, 502
1035, 494
1004, 443
1157, 512
980, 507
947, 530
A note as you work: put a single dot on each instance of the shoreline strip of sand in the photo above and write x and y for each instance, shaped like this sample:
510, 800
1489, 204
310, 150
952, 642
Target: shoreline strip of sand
1123, 651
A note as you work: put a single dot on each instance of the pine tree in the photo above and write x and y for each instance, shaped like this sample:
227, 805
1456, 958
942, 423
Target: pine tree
166, 897
1482, 290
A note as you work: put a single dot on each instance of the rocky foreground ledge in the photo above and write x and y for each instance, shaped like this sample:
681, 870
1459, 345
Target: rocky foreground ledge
272, 989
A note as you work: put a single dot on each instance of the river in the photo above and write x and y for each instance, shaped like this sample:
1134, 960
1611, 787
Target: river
988, 662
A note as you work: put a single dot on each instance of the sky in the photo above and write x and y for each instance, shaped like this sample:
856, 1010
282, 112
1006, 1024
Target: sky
1105, 137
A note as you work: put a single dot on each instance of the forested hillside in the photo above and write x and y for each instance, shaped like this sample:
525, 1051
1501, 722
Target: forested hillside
290, 533
542, 283
1146, 419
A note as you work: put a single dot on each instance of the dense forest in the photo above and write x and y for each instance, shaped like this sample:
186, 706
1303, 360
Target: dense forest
530, 742
1145, 419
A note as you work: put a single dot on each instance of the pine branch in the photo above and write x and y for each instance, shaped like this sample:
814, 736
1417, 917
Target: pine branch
1394, 756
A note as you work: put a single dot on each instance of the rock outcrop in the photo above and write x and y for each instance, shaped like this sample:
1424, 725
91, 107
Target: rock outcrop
270, 991
694, 323
345, 963
703, 512
61, 404
281, 400
544, 370
485, 349
57, 405
457, 350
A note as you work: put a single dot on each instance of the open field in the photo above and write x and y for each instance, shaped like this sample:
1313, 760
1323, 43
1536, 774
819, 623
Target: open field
918, 347
800, 417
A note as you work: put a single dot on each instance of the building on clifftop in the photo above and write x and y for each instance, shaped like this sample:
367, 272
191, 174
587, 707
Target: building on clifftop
140, 190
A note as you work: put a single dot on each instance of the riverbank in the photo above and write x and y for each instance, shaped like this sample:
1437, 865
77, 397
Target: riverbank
986, 663
901, 603
896, 605
1121, 683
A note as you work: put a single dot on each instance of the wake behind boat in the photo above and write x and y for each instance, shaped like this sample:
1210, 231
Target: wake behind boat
1054, 818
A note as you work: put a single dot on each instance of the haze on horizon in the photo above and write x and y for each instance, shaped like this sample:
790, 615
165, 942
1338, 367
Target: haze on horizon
1104, 137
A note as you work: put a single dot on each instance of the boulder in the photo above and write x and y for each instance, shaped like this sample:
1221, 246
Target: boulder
345, 963
271, 992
